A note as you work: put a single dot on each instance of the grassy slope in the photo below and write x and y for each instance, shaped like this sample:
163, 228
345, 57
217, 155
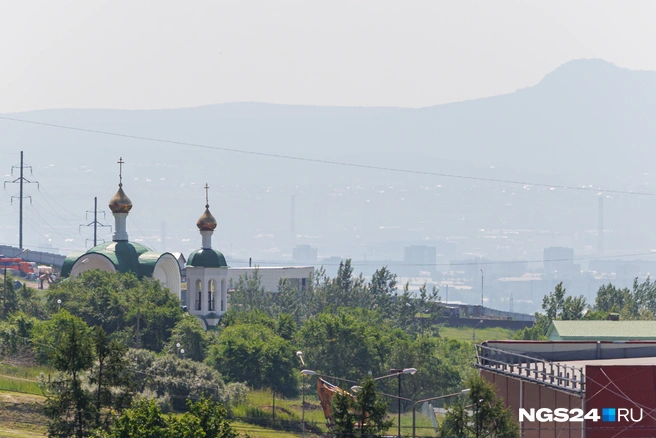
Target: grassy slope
21, 415
482, 334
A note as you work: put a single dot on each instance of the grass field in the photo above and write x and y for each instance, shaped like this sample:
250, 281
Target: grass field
482, 334
21, 415
22, 379
290, 409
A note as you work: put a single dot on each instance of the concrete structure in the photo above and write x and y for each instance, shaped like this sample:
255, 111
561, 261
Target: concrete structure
602, 331
299, 276
575, 375
559, 260
304, 254
419, 258
38, 257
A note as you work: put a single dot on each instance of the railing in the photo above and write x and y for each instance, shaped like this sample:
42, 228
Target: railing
562, 377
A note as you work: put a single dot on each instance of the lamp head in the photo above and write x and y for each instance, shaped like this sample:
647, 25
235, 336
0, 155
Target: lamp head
299, 353
409, 370
308, 373
465, 391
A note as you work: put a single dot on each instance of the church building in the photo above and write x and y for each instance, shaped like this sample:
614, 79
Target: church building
122, 255
208, 276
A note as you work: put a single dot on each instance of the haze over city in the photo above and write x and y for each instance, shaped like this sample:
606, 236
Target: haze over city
477, 125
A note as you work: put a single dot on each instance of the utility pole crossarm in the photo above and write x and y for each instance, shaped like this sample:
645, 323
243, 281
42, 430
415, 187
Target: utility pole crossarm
21, 180
95, 223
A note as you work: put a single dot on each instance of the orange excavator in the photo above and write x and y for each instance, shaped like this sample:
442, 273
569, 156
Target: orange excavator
326, 391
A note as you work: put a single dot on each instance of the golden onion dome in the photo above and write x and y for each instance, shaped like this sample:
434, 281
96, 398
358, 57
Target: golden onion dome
120, 203
206, 222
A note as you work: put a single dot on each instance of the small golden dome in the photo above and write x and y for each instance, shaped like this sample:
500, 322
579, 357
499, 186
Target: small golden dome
206, 221
120, 203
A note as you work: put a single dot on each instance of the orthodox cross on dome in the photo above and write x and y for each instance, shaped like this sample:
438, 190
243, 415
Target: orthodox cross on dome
207, 202
120, 171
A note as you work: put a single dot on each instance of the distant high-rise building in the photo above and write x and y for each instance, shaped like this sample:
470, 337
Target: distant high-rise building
559, 260
304, 253
419, 258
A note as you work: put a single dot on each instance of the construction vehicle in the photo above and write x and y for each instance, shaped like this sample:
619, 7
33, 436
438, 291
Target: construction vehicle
326, 391
21, 267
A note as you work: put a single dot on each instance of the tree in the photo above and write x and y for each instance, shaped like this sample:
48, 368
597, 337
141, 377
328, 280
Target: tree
119, 303
204, 419
248, 294
255, 354
639, 302
556, 306
68, 405
435, 372
362, 416
9, 297
173, 379
348, 343
189, 333
113, 383
481, 415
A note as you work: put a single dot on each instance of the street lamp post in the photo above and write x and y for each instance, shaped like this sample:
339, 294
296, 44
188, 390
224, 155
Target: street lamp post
474, 331
398, 372
182, 352
299, 354
414, 406
482, 294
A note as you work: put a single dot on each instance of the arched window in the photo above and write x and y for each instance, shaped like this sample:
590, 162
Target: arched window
211, 295
224, 295
199, 295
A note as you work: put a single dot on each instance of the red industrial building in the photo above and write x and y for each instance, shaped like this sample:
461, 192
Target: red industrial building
615, 380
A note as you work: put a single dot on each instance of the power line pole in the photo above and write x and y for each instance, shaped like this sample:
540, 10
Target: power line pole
95, 222
20, 181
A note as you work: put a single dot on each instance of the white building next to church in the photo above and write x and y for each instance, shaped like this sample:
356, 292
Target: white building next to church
270, 277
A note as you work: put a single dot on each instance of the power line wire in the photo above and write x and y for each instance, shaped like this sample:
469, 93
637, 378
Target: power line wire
330, 162
472, 263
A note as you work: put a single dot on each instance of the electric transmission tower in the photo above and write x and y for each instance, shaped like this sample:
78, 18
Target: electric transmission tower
21, 180
95, 222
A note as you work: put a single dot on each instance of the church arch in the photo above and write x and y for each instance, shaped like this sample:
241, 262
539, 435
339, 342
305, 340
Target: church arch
224, 295
199, 295
211, 295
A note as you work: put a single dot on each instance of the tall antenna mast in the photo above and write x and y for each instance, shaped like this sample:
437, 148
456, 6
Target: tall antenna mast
20, 181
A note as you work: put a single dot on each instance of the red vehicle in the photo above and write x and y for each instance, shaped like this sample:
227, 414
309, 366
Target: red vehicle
25, 269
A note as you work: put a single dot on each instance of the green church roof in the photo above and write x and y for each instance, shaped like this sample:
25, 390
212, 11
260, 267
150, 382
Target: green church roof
207, 258
125, 256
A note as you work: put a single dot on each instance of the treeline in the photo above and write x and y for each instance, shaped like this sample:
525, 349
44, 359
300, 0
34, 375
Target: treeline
635, 303
115, 339
346, 326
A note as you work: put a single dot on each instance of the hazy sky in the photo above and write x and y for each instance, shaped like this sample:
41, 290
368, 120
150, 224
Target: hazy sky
166, 54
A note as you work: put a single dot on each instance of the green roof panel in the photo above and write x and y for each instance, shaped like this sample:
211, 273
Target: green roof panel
602, 330
207, 258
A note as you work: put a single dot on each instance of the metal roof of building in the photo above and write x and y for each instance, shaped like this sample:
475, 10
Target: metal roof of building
602, 330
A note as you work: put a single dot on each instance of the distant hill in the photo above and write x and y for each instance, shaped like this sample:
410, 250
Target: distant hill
587, 122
